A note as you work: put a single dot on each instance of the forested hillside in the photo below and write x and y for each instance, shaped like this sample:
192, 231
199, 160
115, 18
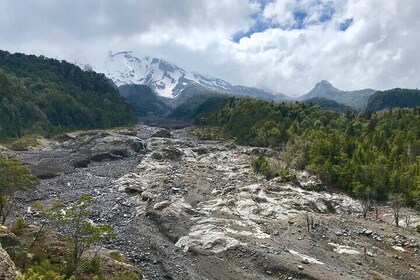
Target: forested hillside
328, 104
42, 95
371, 156
196, 105
144, 100
400, 98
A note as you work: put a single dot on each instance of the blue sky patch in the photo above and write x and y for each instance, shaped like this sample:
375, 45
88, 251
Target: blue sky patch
299, 17
345, 25
258, 26
327, 14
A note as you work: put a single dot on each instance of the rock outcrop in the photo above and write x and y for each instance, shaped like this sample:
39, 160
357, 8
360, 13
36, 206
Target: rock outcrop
8, 269
162, 133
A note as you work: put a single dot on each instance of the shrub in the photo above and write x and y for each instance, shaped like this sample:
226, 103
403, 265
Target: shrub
19, 226
43, 270
271, 169
25, 142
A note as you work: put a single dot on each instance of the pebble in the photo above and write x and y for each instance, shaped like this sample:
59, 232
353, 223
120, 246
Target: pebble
368, 232
305, 261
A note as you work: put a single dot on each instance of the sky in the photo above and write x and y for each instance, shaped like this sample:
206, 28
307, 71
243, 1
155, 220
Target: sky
282, 45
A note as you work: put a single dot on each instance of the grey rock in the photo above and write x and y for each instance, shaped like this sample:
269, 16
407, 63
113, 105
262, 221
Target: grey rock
368, 232
8, 269
162, 133
161, 205
305, 261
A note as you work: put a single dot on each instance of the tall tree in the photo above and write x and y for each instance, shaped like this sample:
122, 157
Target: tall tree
13, 177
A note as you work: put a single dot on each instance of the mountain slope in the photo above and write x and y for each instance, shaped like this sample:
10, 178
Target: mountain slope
169, 80
328, 104
197, 105
394, 98
144, 100
323, 89
42, 95
357, 99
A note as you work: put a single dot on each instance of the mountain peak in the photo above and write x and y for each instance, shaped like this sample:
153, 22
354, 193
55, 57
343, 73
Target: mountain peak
169, 80
323, 89
324, 82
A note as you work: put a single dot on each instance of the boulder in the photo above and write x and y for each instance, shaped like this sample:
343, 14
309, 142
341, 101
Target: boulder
133, 189
47, 168
157, 156
162, 133
104, 141
105, 156
8, 269
81, 163
8, 239
161, 205
201, 150
170, 153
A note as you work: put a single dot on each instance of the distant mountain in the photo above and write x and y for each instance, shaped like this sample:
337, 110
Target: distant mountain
144, 100
357, 99
394, 98
43, 95
169, 80
323, 89
328, 104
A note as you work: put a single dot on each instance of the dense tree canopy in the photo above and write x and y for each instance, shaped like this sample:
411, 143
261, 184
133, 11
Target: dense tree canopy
400, 98
40, 95
198, 104
328, 104
13, 177
368, 155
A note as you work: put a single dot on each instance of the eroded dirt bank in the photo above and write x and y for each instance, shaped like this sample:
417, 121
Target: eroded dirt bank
191, 209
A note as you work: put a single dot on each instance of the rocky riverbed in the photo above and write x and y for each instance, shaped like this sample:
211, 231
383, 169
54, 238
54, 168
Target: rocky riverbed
185, 208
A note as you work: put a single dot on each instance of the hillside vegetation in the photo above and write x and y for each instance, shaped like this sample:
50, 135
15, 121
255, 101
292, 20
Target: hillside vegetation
370, 156
42, 95
196, 105
394, 98
144, 100
328, 104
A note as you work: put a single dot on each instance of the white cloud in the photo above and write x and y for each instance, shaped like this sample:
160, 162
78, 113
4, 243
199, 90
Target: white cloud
378, 50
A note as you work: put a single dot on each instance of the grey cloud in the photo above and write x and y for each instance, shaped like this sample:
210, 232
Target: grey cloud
379, 49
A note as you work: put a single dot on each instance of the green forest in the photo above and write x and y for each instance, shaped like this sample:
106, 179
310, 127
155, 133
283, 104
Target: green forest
39, 95
368, 155
398, 97
196, 105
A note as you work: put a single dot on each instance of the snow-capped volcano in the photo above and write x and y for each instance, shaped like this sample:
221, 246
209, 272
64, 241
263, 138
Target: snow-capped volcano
169, 80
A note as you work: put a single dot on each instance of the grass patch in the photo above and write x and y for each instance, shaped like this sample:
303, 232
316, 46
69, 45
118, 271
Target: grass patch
116, 256
271, 168
209, 133
24, 143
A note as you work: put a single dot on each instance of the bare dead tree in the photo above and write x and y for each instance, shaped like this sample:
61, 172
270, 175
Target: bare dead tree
397, 202
407, 220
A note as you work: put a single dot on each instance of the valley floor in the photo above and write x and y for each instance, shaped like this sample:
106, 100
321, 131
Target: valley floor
190, 209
